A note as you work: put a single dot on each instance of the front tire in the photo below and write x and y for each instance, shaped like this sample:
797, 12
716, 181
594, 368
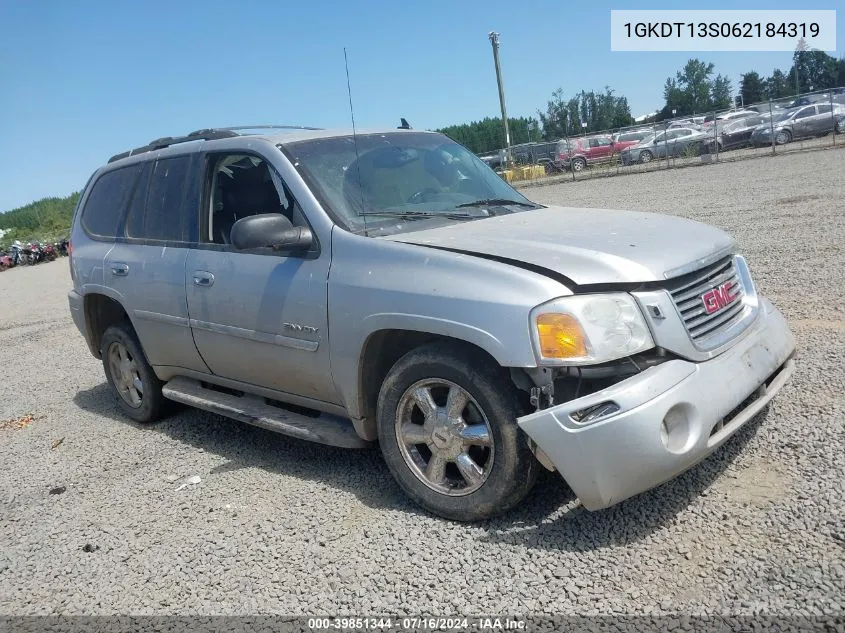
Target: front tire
130, 376
447, 429
783, 137
646, 156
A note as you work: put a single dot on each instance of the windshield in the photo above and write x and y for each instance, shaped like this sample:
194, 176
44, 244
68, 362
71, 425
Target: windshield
385, 181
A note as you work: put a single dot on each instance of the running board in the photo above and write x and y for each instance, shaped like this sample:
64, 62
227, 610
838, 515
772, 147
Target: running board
252, 409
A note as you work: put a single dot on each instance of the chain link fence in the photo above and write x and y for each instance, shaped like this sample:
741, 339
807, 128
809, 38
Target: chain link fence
809, 121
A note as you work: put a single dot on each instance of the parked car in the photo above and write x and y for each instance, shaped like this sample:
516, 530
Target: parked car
839, 128
804, 122
578, 152
494, 161
672, 142
534, 153
389, 286
736, 133
624, 140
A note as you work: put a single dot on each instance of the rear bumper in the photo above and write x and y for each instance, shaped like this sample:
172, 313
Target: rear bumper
76, 302
671, 416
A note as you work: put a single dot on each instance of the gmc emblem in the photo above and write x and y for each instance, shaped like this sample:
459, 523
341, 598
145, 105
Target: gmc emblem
717, 298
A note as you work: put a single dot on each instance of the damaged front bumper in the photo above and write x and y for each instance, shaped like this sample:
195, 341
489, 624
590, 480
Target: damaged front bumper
668, 417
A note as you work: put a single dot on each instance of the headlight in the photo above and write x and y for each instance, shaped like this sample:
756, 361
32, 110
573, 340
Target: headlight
588, 329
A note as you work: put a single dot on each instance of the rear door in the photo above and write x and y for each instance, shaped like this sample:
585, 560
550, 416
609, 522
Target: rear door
823, 121
146, 266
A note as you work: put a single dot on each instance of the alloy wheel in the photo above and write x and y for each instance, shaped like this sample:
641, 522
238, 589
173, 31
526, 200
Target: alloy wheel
124, 373
444, 437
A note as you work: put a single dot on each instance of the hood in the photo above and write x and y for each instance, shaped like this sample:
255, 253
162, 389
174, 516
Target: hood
586, 246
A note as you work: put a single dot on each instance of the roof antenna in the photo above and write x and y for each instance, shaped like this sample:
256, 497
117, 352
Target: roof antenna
403, 124
355, 142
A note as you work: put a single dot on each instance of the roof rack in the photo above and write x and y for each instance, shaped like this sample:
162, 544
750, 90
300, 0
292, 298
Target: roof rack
270, 127
167, 141
207, 134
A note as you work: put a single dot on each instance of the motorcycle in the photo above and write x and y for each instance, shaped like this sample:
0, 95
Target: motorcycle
33, 253
49, 253
19, 255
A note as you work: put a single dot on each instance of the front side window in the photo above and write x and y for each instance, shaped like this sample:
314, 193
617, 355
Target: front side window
107, 201
806, 112
242, 185
385, 181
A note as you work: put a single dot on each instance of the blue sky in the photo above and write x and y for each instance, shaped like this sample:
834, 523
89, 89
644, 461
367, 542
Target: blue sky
87, 79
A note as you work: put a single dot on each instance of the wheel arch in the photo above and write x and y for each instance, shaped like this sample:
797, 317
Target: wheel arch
384, 346
102, 310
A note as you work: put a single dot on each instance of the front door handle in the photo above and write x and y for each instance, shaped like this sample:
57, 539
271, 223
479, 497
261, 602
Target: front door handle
203, 278
119, 270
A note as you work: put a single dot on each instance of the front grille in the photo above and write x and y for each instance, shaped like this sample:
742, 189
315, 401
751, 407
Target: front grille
688, 291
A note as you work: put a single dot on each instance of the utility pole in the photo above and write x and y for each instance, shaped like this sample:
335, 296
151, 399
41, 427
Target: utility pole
494, 40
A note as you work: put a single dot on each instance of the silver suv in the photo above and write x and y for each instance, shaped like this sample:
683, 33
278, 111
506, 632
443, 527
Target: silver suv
388, 286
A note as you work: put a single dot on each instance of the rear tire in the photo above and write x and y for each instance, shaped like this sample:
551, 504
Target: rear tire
466, 459
578, 164
137, 388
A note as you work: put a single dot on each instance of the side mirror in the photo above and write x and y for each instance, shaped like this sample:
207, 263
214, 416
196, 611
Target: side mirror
270, 230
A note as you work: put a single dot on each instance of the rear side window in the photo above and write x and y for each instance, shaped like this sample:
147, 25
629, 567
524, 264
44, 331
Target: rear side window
107, 201
165, 216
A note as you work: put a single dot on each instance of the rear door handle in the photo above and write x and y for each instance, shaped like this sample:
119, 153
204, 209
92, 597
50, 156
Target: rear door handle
120, 270
203, 278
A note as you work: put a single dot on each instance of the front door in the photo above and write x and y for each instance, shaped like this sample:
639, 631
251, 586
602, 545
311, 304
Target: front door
803, 125
601, 149
258, 317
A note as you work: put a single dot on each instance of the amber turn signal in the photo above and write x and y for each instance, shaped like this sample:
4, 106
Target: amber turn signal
561, 336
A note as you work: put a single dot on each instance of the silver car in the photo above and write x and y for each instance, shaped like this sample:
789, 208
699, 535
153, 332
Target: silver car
671, 142
387, 286
804, 122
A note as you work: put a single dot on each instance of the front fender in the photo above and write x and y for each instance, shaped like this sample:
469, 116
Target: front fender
377, 285
443, 327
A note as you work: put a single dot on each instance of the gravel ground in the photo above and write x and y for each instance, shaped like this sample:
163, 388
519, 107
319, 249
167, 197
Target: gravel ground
280, 526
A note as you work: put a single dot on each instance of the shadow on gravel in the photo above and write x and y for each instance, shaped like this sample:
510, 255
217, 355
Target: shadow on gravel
361, 472
550, 518
542, 522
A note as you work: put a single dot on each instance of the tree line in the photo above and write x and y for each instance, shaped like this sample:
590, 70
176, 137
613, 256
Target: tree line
41, 219
811, 70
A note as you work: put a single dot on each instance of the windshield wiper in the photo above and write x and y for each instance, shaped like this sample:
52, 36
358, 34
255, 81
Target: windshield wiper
421, 215
496, 201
